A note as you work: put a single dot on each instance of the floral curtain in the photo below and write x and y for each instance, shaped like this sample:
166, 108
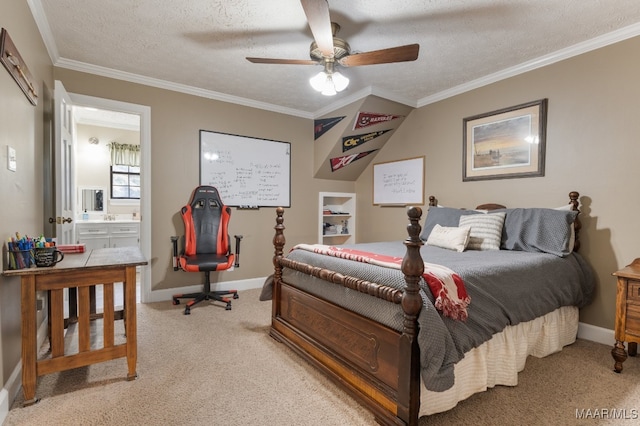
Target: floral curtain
124, 154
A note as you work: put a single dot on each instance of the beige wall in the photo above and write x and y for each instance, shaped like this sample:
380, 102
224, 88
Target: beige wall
592, 147
176, 120
21, 194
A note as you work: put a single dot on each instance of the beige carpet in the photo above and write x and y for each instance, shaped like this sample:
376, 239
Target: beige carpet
220, 367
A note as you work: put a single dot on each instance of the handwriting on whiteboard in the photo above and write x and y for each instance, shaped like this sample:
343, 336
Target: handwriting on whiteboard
246, 171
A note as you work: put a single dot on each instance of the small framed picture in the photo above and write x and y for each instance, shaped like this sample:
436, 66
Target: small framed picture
503, 144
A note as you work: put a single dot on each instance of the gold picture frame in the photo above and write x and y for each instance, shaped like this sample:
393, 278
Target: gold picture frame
507, 143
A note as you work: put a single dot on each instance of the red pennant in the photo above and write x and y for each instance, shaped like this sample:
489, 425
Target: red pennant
365, 119
340, 162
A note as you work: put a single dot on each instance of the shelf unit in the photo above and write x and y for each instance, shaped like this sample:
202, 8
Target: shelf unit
335, 210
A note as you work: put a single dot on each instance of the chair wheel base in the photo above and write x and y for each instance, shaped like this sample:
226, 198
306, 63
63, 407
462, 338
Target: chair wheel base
218, 296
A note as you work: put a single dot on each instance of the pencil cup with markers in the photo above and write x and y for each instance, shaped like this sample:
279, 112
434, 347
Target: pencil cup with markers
27, 252
20, 259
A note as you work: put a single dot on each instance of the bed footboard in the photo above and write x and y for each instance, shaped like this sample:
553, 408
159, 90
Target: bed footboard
378, 366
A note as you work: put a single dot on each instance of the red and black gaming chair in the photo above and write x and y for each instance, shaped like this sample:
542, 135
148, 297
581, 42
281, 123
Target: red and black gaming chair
206, 245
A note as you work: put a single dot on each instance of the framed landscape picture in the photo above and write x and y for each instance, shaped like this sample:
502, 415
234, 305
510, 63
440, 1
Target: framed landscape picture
508, 143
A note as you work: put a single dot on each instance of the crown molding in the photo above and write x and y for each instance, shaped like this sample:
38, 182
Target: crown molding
47, 36
354, 97
560, 55
361, 94
45, 30
569, 52
182, 88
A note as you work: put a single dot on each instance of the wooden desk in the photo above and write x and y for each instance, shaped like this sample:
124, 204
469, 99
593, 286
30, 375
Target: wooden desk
80, 272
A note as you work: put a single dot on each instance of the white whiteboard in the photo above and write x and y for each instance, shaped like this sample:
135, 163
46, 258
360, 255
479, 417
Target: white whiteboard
248, 172
399, 182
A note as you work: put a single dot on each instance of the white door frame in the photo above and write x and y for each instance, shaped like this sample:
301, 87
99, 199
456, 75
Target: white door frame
145, 175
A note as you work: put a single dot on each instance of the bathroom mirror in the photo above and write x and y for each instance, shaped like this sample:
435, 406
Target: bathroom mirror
92, 199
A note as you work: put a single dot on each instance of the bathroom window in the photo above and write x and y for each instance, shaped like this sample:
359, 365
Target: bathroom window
125, 183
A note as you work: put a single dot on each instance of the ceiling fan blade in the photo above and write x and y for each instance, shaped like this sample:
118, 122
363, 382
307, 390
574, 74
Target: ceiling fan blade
282, 61
317, 12
405, 53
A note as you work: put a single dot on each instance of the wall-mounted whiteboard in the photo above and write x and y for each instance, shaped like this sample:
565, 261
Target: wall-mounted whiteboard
399, 182
248, 172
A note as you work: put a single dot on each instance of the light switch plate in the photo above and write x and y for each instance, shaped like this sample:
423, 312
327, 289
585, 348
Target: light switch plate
11, 158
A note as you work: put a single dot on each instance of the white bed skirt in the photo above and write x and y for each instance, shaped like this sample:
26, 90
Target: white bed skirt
498, 361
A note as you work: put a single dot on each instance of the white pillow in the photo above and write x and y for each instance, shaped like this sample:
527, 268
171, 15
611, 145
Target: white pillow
486, 230
451, 238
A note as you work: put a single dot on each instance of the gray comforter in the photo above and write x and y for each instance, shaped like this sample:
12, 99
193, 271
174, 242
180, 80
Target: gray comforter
506, 288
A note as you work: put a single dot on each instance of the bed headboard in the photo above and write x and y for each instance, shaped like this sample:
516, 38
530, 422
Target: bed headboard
573, 204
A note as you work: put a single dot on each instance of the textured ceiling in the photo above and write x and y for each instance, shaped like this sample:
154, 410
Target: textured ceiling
199, 46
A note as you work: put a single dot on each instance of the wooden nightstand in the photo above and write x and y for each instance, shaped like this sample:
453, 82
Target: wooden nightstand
627, 313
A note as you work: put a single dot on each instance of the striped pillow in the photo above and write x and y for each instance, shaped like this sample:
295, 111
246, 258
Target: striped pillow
486, 230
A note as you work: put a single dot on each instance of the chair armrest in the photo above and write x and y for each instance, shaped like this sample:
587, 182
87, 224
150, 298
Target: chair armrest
238, 239
174, 241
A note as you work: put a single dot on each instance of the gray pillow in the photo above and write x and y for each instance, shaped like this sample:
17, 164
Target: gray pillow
538, 230
443, 216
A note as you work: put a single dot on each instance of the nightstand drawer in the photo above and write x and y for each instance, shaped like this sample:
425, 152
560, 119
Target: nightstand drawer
633, 291
633, 320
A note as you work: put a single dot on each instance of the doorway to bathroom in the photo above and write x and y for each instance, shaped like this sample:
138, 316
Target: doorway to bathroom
111, 120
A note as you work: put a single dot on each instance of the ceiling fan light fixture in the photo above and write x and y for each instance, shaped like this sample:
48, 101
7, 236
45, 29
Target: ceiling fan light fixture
340, 81
329, 88
329, 83
318, 81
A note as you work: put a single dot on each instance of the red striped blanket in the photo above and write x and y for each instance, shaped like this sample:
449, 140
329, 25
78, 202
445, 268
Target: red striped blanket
447, 287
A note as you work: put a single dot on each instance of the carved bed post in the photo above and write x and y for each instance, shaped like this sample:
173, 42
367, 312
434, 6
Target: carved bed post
573, 200
278, 244
409, 352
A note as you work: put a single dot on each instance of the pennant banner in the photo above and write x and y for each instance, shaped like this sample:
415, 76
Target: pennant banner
365, 119
351, 142
340, 162
320, 127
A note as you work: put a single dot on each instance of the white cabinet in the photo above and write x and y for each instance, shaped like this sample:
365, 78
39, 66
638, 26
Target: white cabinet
337, 218
124, 234
94, 235
105, 234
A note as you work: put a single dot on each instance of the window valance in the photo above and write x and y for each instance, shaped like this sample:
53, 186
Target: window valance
124, 154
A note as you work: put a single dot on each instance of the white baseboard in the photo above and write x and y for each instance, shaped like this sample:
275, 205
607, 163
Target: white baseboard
248, 284
4, 405
596, 334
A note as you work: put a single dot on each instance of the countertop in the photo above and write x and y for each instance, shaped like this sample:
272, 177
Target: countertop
94, 221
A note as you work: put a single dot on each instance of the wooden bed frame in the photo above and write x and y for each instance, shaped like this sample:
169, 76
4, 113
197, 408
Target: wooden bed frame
377, 365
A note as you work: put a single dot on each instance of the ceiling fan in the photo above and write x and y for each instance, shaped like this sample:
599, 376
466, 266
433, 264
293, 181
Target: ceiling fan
329, 50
